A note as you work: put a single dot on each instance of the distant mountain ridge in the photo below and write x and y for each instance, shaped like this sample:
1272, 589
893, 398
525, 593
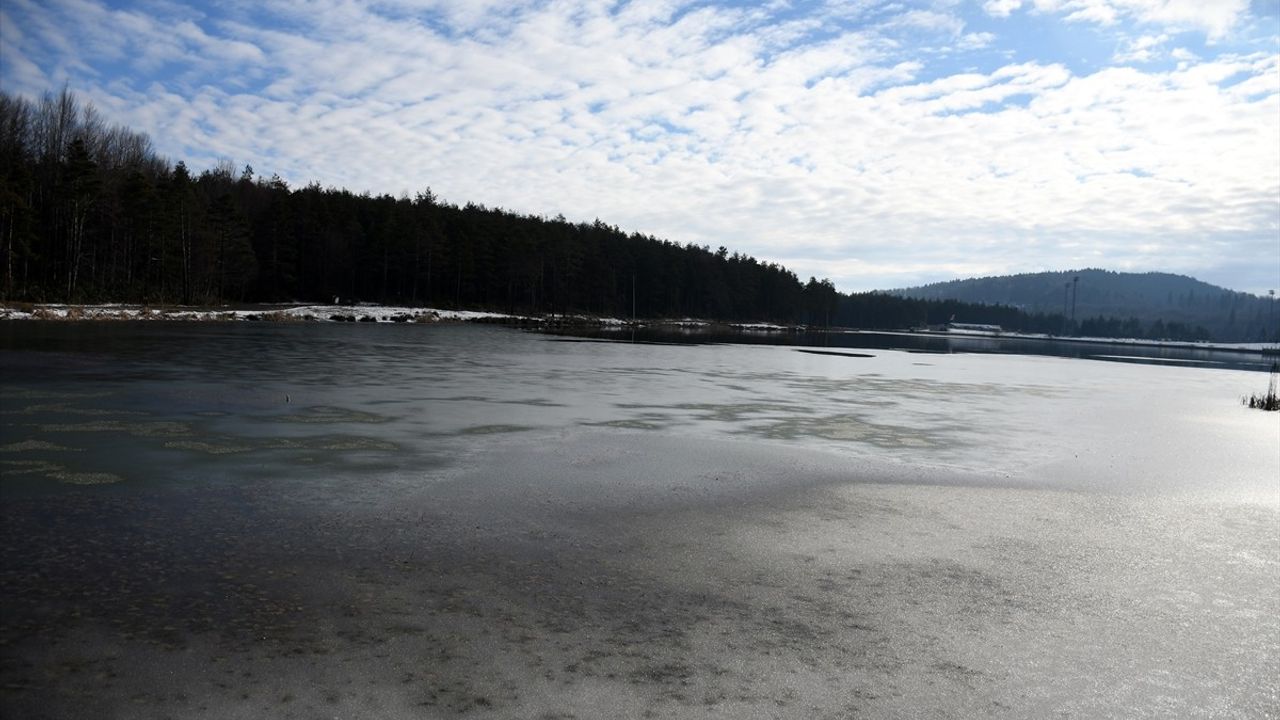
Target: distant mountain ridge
1227, 315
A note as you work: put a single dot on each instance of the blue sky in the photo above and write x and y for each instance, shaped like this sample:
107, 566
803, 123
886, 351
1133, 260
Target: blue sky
879, 144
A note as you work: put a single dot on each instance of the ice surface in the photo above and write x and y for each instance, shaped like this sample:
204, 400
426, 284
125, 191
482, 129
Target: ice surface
390, 521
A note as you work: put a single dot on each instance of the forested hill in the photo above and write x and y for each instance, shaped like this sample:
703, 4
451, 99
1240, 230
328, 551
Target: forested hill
1146, 297
90, 213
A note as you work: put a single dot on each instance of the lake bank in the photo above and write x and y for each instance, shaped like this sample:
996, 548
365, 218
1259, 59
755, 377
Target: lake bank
371, 313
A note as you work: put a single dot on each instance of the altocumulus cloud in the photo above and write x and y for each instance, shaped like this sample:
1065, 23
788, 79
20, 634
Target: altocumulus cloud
878, 144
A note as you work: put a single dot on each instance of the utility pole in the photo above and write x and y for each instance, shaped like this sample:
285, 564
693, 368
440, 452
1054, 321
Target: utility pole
1075, 289
1271, 307
1066, 291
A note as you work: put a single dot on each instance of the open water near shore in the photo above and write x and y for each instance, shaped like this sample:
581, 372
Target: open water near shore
314, 520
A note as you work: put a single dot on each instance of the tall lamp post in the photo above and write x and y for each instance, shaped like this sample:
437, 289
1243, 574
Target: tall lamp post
1075, 290
1271, 308
1066, 294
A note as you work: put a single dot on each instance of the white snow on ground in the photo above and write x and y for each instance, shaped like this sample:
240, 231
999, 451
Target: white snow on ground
357, 313
365, 313
584, 320
686, 323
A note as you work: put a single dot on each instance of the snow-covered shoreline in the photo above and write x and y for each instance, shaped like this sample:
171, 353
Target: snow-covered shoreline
279, 313
340, 313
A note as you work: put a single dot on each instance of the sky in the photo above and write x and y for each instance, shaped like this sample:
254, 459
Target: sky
878, 144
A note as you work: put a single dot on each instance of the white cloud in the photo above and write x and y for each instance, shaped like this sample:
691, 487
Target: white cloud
1141, 49
976, 41
1215, 18
716, 126
1001, 8
929, 20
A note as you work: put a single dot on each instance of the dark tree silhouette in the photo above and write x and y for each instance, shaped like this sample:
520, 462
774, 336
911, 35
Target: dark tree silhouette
88, 212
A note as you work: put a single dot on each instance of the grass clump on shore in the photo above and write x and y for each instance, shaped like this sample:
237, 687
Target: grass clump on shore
1269, 401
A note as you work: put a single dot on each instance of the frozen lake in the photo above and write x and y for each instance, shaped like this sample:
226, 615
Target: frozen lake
309, 520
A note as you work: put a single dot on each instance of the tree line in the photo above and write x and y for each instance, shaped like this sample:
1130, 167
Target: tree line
89, 212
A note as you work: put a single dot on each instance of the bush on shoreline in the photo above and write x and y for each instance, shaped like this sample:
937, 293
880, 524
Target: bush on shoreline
1269, 401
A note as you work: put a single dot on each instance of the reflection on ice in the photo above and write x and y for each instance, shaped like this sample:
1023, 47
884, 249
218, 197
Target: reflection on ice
331, 415
408, 390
